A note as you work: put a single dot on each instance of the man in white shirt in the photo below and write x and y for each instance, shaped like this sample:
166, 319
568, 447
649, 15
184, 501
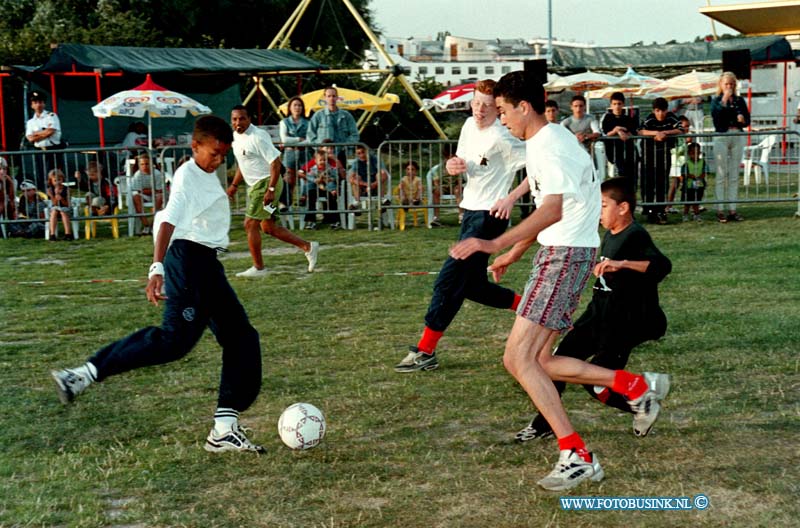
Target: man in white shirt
43, 131
567, 194
489, 156
187, 275
259, 166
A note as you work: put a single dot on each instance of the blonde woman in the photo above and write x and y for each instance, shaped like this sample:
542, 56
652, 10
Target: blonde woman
729, 113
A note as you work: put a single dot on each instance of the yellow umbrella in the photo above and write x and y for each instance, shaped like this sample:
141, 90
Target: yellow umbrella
348, 100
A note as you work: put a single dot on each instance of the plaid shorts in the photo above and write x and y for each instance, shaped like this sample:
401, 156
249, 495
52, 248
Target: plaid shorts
558, 277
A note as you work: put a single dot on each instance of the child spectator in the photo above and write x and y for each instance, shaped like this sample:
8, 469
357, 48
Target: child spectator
694, 181
58, 194
582, 125
322, 182
678, 159
621, 149
410, 189
443, 182
31, 207
8, 206
147, 181
658, 127
100, 197
363, 174
551, 111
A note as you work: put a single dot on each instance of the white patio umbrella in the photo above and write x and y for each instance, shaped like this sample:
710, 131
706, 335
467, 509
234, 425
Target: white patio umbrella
630, 82
151, 98
581, 82
687, 85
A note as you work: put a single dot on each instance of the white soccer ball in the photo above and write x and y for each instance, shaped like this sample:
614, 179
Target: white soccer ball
301, 426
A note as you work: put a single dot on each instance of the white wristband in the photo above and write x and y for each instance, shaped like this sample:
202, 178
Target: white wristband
156, 268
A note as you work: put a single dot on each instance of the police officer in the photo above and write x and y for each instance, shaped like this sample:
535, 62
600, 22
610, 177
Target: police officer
43, 130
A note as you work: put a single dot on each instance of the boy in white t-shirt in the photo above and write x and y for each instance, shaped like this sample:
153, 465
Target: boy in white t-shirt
187, 275
489, 156
567, 195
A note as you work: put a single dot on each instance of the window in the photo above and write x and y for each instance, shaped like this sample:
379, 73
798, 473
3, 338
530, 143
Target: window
489, 70
472, 70
505, 69
439, 70
423, 70
455, 70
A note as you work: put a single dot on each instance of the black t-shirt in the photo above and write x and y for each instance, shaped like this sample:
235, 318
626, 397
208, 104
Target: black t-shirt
615, 147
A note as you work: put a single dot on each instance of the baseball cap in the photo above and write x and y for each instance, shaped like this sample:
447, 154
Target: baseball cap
36, 95
26, 185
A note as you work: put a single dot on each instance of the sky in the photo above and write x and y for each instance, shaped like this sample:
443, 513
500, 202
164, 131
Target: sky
601, 22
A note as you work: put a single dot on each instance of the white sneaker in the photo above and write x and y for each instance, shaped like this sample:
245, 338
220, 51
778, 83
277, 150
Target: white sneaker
233, 440
311, 256
658, 383
253, 272
571, 470
645, 412
70, 383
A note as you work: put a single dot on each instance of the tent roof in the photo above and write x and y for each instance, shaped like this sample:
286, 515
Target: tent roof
184, 60
758, 18
688, 54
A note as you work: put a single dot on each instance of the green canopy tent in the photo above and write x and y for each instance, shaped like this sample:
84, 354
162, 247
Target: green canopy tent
78, 76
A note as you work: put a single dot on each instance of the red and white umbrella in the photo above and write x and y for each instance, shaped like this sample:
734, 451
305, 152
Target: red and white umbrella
455, 98
151, 98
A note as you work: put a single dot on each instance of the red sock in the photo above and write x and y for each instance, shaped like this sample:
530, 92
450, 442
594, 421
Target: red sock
628, 384
574, 441
429, 340
517, 299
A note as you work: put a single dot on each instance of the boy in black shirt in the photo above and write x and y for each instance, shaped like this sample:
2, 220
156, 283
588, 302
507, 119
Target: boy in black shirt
656, 158
620, 148
624, 310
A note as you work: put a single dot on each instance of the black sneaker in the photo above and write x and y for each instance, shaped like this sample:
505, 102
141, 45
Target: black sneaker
533, 431
436, 222
416, 360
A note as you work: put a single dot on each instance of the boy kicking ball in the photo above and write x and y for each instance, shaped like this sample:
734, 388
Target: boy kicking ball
187, 276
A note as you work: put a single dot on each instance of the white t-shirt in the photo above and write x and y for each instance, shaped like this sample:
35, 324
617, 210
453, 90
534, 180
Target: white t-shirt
141, 181
198, 207
557, 164
42, 122
492, 156
254, 152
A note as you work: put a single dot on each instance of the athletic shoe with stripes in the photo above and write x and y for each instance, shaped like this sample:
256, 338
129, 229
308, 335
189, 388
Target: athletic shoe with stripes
416, 360
645, 412
533, 431
233, 440
571, 470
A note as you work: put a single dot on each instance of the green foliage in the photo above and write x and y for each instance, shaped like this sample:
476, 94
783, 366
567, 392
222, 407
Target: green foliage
28, 27
413, 450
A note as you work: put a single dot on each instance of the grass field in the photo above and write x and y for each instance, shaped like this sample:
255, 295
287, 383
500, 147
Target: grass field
419, 450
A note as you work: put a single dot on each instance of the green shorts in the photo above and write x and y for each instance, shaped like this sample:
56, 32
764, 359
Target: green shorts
255, 200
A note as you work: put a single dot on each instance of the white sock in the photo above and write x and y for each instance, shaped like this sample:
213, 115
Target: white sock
225, 419
92, 370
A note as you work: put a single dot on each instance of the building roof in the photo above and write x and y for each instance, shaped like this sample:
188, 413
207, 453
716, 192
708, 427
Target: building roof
657, 57
758, 18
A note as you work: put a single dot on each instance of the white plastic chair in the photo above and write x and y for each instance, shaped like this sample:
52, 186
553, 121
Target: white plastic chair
757, 157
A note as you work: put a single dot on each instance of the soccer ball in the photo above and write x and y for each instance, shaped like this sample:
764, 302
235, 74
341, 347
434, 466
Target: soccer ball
301, 426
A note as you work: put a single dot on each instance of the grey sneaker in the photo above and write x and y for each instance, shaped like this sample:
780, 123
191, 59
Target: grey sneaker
233, 440
69, 383
645, 412
571, 470
658, 383
416, 360
533, 431
311, 256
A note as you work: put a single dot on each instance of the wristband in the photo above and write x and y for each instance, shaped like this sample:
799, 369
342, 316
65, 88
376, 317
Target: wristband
271, 189
156, 268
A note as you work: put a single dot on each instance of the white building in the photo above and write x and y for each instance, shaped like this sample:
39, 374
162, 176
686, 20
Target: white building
455, 60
